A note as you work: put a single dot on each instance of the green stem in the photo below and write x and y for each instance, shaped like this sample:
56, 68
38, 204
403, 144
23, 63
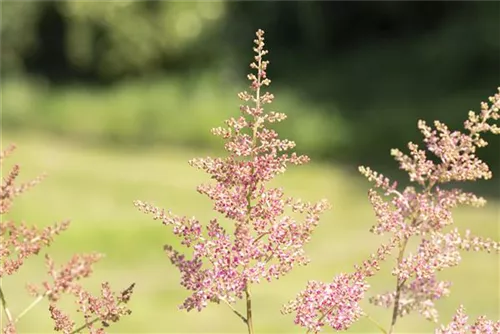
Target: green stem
249, 319
4, 304
85, 325
376, 323
30, 306
249, 309
399, 285
234, 310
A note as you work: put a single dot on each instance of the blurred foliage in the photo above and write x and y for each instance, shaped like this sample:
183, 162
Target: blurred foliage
18, 33
105, 39
135, 36
348, 72
178, 111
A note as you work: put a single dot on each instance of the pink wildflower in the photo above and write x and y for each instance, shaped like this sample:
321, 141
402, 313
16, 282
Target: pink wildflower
335, 304
263, 243
423, 215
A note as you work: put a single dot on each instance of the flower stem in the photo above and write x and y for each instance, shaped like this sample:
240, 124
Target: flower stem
399, 285
376, 323
234, 310
86, 325
30, 306
4, 305
253, 186
249, 309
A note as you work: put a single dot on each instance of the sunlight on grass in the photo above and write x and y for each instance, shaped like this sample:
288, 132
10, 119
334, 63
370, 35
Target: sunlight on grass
95, 187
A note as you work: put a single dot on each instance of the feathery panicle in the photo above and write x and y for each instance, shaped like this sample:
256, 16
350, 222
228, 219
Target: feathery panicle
263, 243
423, 213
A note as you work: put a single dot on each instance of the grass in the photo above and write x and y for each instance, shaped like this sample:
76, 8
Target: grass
95, 187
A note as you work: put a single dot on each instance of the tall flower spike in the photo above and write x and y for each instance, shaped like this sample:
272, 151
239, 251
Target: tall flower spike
263, 243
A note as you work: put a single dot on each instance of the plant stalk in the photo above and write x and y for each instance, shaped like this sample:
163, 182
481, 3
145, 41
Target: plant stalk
4, 305
238, 314
82, 327
399, 285
249, 309
376, 323
30, 306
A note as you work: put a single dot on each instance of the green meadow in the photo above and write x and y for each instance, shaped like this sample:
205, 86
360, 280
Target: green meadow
95, 186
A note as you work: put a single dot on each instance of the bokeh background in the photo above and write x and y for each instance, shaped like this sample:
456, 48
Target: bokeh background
112, 98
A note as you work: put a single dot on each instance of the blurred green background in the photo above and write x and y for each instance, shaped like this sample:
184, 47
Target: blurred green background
112, 98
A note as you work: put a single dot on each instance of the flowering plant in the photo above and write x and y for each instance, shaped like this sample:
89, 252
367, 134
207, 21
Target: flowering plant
262, 243
423, 213
259, 238
20, 241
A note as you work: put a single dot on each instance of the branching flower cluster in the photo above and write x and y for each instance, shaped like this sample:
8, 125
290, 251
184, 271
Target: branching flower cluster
459, 324
20, 241
262, 243
422, 212
258, 235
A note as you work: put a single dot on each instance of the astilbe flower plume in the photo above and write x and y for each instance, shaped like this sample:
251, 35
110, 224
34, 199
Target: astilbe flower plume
422, 212
20, 241
262, 243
